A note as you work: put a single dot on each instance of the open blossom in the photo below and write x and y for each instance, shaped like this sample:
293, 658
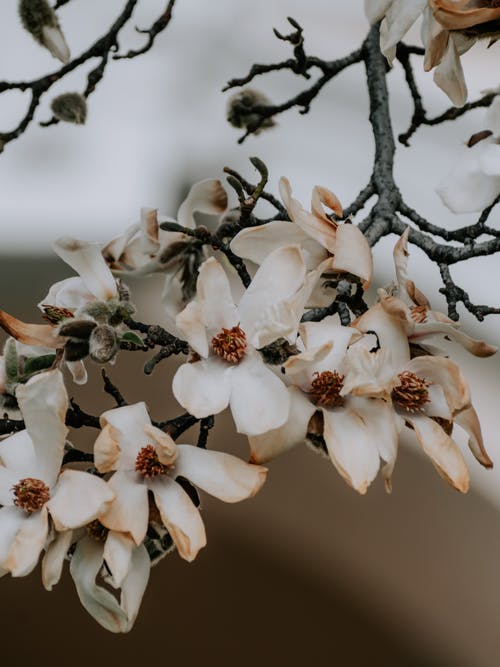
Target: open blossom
101, 555
145, 248
357, 430
408, 311
33, 489
84, 313
449, 29
147, 462
474, 182
318, 235
227, 368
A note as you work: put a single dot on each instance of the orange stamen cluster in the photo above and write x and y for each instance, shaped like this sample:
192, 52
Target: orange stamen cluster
230, 344
412, 393
148, 464
325, 389
31, 494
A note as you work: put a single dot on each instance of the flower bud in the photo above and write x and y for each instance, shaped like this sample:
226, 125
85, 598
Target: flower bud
103, 344
240, 109
70, 108
38, 18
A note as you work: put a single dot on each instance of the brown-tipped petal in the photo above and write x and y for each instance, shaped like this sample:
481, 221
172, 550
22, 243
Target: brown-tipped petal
320, 196
30, 334
469, 421
391, 333
163, 443
352, 254
207, 196
447, 374
462, 14
479, 348
449, 75
442, 450
128, 512
114, 249
53, 561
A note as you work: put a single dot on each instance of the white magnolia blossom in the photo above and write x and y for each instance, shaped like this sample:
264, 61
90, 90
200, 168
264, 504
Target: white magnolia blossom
474, 182
227, 368
319, 237
357, 430
107, 555
32, 485
147, 460
145, 248
449, 29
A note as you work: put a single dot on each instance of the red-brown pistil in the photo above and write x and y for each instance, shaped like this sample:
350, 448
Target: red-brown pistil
412, 393
31, 494
148, 464
325, 389
55, 314
97, 531
230, 344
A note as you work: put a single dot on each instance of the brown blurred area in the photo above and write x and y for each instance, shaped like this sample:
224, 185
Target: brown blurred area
306, 573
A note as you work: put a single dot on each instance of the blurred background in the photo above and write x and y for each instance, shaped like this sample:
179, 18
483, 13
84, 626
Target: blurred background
308, 571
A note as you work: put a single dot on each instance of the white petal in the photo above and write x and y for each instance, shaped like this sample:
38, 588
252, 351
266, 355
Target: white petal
43, 402
8, 479
129, 511
126, 434
449, 75
353, 254
316, 334
352, 445
256, 243
17, 454
148, 238
134, 585
215, 298
293, 432
207, 197
426, 331
11, 520
77, 499
376, 9
221, 475
203, 387
70, 293
277, 280
191, 324
86, 259
180, 516
259, 400
441, 449
78, 371
85, 565
399, 17
118, 549
28, 543
390, 331
448, 375
53, 560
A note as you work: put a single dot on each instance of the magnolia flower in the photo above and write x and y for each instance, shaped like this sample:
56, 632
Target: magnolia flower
145, 248
147, 462
318, 236
428, 394
101, 554
227, 368
32, 486
408, 312
449, 29
474, 182
357, 430
85, 313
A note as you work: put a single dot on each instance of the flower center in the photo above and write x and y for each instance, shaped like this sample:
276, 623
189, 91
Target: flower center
31, 494
55, 314
412, 392
230, 344
325, 389
148, 464
97, 531
418, 314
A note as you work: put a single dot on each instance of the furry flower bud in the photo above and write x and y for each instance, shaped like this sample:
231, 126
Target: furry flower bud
39, 19
70, 108
103, 344
240, 109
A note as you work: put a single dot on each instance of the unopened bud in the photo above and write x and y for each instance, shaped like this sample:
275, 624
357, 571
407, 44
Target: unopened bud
39, 19
70, 107
240, 109
103, 344
77, 328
